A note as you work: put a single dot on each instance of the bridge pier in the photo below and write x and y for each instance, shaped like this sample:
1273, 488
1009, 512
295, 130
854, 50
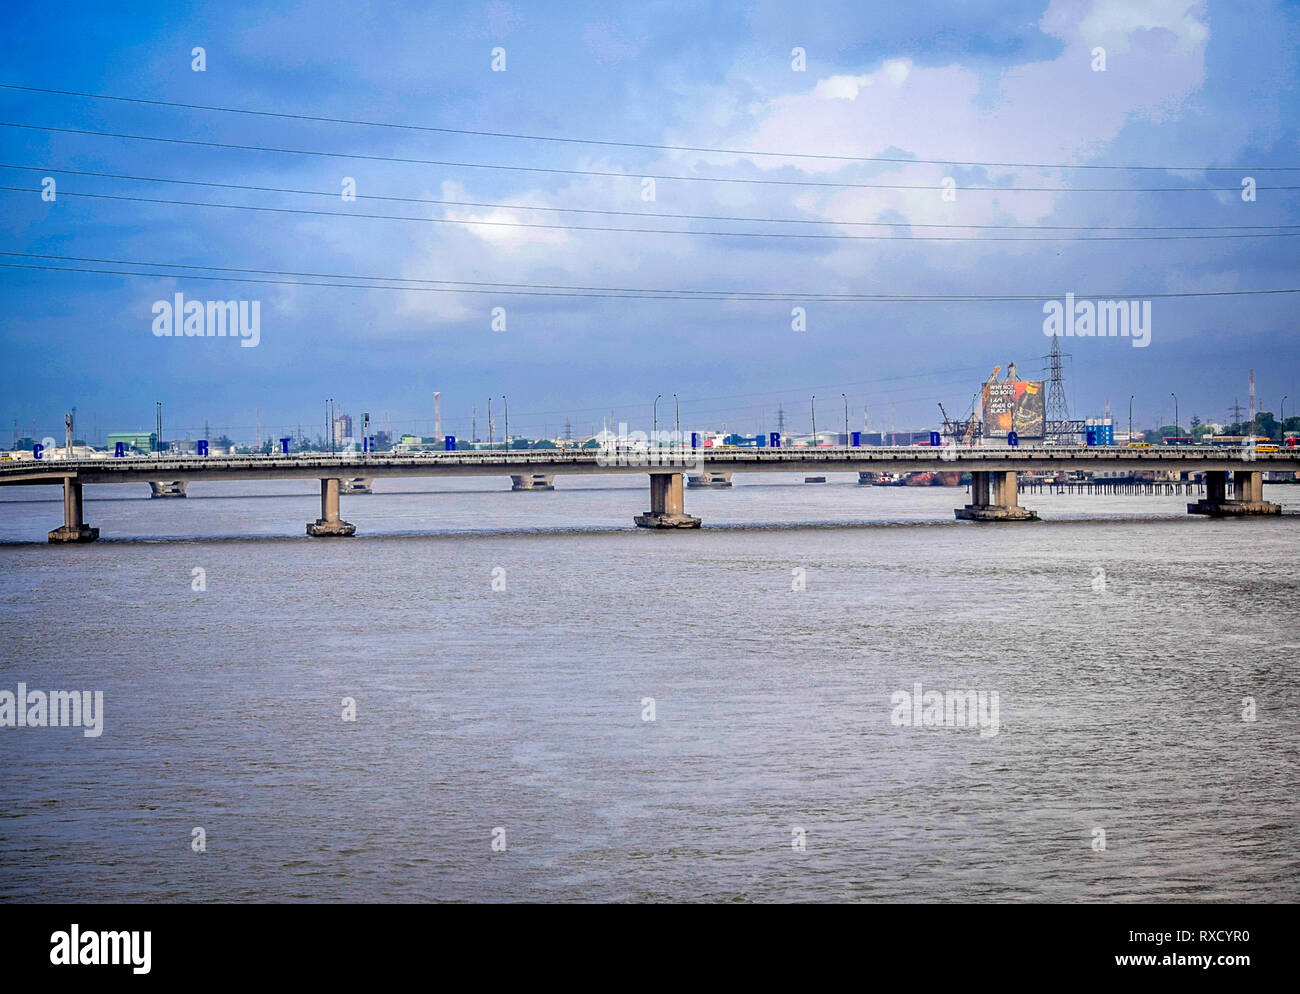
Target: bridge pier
667, 507
73, 528
329, 524
533, 481
1247, 495
994, 497
709, 479
160, 488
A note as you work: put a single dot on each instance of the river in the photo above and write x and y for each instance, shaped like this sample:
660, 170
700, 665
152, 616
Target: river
504, 653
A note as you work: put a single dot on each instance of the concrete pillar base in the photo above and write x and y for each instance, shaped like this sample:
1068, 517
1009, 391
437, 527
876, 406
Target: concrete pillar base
533, 481
652, 519
666, 510
174, 489
1234, 508
76, 533
329, 524
321, 528
995, 494
994, 512
710, 480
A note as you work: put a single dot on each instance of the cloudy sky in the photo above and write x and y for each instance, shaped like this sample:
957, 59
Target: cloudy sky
938, 145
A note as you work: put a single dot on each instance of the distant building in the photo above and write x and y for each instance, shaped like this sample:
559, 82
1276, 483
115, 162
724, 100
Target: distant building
342, 428
142, 442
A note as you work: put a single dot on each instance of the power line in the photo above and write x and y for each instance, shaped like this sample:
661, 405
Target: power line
815, 236
640, 214
904, 160
552, 290
627, 175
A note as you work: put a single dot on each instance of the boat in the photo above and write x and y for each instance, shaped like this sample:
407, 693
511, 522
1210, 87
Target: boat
888, 480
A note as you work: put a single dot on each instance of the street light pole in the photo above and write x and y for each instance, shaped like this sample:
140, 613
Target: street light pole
813, 402
1281, 428
1130, 416
1177, 430
678, 426
654, 434
489, 422
505, 437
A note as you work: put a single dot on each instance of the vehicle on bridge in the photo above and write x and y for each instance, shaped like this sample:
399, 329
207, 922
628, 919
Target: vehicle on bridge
1235, 441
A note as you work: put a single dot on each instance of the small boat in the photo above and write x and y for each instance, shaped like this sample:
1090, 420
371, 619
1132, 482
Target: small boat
888, 480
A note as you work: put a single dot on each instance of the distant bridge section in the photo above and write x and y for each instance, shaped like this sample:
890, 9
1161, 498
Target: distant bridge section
993, 469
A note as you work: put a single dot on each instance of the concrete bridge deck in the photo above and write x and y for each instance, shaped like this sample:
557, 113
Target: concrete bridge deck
994, 472
142, 469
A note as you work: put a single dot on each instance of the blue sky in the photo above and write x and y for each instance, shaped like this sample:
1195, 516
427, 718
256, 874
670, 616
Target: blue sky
1195, 85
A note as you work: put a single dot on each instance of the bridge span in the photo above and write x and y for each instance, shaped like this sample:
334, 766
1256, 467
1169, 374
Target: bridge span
1233, 477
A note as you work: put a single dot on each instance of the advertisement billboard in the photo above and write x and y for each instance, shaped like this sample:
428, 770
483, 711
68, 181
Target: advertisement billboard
1014, 405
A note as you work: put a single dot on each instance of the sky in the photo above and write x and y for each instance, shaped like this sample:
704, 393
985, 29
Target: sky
1003, 96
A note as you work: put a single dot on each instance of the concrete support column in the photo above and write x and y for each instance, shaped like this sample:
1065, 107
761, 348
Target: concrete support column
1216, 486
329, 524
73, 528
1247, 486
995, 496
1247, 497
667, 504
1006, 490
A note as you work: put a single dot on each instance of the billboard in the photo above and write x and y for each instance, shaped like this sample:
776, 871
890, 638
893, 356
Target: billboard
1014, 405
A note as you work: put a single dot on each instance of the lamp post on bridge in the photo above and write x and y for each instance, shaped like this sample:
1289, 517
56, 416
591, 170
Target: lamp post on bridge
813, 403
678, 425
846, 418
1130, 416
489, 423
654, 433
1281, 418
1177, 430
505, 437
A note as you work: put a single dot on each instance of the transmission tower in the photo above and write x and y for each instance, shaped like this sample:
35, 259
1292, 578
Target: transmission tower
780, 419
568, 430
1057, 408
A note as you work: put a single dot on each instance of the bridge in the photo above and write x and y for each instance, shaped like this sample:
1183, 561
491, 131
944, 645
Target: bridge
1233, 477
